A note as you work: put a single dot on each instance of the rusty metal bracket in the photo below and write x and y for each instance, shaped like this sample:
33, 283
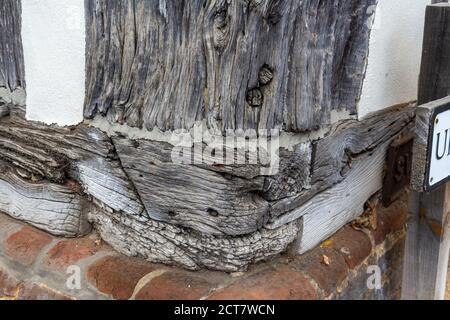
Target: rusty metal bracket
398, 169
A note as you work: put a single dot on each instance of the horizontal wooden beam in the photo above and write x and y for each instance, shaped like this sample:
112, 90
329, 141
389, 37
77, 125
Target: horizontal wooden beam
204, 215
58, 209
169, 244
334, 155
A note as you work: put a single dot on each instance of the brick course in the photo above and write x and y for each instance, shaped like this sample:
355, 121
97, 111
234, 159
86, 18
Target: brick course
335, 270
25, 245
117, 276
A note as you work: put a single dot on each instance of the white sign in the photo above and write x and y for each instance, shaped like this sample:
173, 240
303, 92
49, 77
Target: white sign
439, 158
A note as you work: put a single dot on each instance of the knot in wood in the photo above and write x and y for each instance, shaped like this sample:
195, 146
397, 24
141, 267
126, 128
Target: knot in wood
221, 27
212, 212
221, 18
265, 75
255, 97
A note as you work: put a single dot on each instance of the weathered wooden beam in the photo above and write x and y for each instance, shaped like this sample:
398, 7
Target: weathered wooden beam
344, 199
229, 199
333, 156
236, 64
330, 210
80, 153
169, 244
192, 196
58, 209
206, 207
293, 176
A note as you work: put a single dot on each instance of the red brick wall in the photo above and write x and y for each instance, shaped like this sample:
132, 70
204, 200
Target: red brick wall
33, 265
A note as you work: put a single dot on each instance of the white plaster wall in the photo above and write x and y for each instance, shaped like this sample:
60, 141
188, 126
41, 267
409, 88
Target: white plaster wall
395, 55
54, 45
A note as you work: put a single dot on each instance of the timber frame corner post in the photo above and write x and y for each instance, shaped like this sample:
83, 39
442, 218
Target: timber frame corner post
428, 238
254, 63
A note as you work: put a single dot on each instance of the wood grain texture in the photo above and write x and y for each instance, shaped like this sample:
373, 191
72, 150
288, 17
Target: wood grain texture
435, 69
217, 215
236, 64
427, 246
330, 210
58, 209
333, 156
293, 176
230, 200
169, 244
344, 199
434, 84
94, 164
192, 196
12, 74
81, 153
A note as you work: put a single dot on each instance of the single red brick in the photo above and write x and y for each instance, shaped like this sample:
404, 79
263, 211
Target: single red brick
390, 220
68, 252
117, 275
176, 286
325, 266
25, 245
353, 245
280, 283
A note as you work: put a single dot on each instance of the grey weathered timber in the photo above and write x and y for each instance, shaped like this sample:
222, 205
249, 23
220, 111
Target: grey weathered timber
427, 246
169, 244
236, 64
435, 69
80, 153
208, 209
333, 207
12, 75
58, 209
123, 221
221, 200
330, 210
424, 118
293, 176
108, 171
4, 109
334, 155
227, 199
192, 196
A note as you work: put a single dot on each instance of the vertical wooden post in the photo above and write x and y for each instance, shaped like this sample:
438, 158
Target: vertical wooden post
434, 82
427, 246
428, 238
